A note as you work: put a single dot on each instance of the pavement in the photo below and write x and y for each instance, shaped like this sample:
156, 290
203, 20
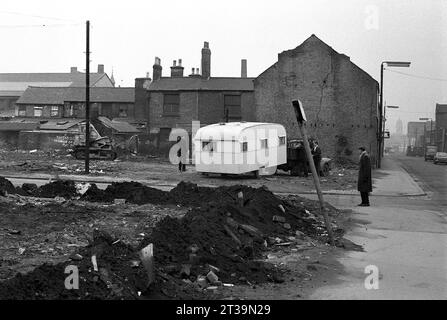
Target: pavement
404, 236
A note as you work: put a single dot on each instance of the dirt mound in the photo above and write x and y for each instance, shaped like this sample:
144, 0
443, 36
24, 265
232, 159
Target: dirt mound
116, 277
60, 188
6, 186
232, 228
133, 192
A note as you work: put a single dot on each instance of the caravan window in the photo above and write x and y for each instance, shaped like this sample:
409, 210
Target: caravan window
282, 141
209, 146
264, 144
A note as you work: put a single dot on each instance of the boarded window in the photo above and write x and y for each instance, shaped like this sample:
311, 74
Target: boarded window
21, 111
232, 107
54, 111
264, 144
171, 103
282, 141
38, 111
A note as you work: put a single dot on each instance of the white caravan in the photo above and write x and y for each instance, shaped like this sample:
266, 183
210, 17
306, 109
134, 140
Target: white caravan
240, 148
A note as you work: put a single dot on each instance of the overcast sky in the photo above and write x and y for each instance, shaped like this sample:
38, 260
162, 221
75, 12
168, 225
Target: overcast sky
127, 35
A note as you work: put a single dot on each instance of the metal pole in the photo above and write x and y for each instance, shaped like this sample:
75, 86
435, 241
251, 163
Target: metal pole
379, 162
87, 100
314, 172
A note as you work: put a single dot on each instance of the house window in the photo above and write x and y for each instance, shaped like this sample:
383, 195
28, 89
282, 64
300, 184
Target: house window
209, 146
123, 112
282, 141
38, 111
264, 144
232, 107
22, 111
171, 103
244, 146
54, 112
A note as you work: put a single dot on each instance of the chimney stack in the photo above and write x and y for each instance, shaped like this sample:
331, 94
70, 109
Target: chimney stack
206, 61
195, 73
177, 70
100, 68
157, 69
73, 69
244, 68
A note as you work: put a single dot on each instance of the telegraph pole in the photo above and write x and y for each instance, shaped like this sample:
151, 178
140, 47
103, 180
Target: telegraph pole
301, 119
87, 100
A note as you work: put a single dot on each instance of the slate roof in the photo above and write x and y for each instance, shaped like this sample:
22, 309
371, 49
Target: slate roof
57, 96
119, 126
193, 84
20, 81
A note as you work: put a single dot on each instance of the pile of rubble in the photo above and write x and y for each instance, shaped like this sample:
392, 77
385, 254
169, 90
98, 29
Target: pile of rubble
221, 241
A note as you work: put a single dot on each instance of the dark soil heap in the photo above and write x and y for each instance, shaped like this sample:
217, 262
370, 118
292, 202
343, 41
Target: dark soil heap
133, 192
6, 187
116, 277
226, 231
231, 228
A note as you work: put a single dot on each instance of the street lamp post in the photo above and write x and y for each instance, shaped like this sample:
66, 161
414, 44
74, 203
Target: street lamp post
380, 139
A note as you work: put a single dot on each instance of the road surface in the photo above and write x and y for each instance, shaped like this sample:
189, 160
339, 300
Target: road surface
405, 237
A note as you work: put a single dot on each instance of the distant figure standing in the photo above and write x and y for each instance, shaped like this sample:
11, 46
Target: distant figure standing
364, 184
316, 153
181, 163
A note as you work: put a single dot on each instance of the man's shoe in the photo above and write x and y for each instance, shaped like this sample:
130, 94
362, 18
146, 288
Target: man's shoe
360, 205
364, 205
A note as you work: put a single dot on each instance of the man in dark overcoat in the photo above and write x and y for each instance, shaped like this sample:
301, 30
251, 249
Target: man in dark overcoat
364, 184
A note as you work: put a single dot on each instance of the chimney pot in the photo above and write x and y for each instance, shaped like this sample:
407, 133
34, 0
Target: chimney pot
74, 69
174, 63
198, 71
243, 68
179, 62
193, 69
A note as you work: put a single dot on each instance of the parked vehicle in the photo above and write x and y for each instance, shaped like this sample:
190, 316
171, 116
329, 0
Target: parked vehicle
430, 152
240, 148
100, 149
297, 162
440, 157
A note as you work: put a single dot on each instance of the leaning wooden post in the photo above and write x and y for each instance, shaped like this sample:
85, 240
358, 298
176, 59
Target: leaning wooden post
301, 118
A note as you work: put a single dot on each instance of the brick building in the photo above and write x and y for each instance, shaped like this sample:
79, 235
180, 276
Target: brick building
176, 101
58, 111
339, 98
415, 133
69, 102
13, 85
441, 126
